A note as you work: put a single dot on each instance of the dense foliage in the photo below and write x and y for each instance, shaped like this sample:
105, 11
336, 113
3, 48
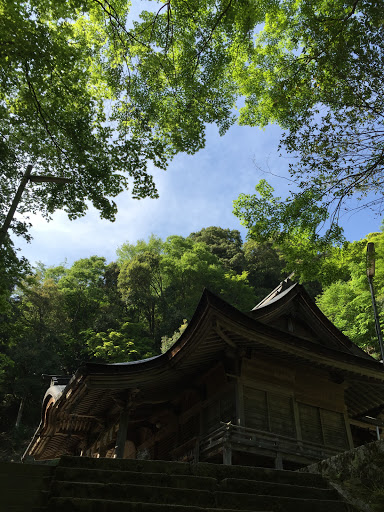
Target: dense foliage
318, 71
92, 91
97, 93
346, 301
311, 255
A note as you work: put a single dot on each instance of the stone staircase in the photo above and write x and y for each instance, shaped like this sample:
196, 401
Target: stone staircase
24, 486
100, 485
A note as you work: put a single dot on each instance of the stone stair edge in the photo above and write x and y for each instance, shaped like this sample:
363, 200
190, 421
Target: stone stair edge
288, 505
202, 498
160, 506
185, 468
104, 472
95, 475
219, 487
279, 484
128, 490
6, 467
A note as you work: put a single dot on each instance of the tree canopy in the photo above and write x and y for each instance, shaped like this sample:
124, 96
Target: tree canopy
311, 255
93, 92
162, 281
318, 72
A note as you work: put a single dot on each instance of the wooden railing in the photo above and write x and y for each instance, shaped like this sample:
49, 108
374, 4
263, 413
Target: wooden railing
243, 438
239, 436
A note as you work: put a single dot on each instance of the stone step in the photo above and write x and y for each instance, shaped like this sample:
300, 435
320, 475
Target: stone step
147, 466
199, 498
23, 498
279, 503
220, 472
21, 508
137, 478
92, 505
135, 493
24, 482
273, 505
30, 470
204, 469
192, 482
277, 489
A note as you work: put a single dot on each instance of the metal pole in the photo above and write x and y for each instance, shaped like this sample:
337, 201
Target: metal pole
15, 202
377, 324
370, 275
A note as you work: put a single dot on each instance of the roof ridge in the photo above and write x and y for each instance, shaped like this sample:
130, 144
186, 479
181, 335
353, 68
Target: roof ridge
281, 287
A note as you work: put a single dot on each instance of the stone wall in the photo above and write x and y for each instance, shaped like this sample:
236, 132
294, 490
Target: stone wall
357, 474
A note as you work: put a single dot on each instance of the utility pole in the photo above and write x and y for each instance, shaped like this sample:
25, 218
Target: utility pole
370, 275
34, 179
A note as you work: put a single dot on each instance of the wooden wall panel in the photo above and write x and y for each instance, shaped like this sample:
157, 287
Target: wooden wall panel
316, 388
268, 374
215, 380
281, 415
255, 408
334, 429
310, 422
312, 386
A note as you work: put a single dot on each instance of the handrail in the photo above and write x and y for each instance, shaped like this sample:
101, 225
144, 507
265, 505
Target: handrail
279, 436
228, 427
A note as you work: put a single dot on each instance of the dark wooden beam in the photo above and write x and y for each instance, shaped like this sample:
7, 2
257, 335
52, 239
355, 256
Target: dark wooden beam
122, 433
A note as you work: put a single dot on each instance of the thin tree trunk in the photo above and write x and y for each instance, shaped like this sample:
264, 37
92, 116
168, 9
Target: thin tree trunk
20, 413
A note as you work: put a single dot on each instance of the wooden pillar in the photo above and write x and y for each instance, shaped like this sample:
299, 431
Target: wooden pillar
196, 455
239, 397
348, 430
227, 454
296, 415
122, 433
278, 461
227, 446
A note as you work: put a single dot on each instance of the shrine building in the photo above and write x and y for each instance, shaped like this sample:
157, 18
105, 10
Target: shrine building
279, 387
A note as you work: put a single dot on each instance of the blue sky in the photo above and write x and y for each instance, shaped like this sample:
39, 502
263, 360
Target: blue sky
195, 192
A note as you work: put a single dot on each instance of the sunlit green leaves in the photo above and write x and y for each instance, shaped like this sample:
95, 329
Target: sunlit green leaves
316, 70
347, 300
294, 227
95, 93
